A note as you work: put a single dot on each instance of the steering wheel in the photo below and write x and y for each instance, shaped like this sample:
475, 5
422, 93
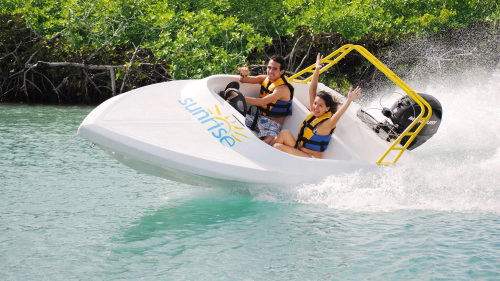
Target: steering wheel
234, 101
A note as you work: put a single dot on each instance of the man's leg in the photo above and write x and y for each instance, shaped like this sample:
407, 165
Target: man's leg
268, 139
268, 129
249, 119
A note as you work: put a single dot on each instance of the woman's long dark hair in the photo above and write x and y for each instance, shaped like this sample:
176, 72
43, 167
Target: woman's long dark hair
330, 101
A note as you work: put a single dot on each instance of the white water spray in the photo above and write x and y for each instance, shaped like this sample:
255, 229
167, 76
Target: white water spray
456, 170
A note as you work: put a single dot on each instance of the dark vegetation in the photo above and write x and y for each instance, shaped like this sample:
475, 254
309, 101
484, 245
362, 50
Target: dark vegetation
63, 52
35, 69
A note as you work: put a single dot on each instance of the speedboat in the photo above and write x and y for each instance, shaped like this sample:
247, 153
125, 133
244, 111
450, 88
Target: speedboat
185, 131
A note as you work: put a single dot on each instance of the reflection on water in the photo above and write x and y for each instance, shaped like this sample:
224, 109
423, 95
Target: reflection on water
69, 211
187, 219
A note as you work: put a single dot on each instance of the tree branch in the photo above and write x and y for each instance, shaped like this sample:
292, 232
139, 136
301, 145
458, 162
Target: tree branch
92, 81
307, 54
128, 69
42, 64
98, 50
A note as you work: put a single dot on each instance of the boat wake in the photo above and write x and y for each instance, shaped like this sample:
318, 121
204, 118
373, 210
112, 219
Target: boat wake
456, 170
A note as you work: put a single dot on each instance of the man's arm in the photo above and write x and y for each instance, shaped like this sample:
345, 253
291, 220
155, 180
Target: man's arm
253, 79
281, 92
244, 78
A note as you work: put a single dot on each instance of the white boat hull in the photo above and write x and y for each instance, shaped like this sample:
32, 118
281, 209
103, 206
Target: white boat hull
182, 130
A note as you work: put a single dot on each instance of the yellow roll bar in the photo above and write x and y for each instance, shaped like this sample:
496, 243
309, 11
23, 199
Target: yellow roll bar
339, 54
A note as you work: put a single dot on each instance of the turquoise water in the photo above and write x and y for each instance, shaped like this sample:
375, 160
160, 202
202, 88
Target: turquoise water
70, 212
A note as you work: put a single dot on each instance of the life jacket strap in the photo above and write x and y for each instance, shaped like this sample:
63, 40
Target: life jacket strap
307, 124
254, 123
268, 112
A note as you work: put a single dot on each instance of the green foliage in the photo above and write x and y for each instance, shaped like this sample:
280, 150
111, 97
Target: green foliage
340, 83
202, 43
390, 19
269, 18
203, 37
19, 46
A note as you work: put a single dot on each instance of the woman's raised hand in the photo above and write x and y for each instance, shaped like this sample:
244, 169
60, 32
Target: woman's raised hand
318, 61
352, 95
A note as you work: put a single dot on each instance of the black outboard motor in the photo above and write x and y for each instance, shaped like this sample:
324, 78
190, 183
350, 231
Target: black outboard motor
405, 110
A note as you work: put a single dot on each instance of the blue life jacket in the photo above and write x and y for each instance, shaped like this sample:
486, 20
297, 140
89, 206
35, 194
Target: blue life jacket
278, 108
307, 137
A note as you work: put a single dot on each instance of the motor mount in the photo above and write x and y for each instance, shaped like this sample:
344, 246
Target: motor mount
401, 114
405, 110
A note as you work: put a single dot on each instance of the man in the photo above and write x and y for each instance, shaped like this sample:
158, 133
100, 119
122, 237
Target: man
274, 102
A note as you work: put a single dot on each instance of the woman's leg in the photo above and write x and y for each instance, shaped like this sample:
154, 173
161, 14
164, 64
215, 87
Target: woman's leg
285, 142
291, 150
285, 137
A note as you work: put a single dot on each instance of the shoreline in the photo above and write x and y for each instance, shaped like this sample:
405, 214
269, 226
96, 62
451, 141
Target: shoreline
54, 74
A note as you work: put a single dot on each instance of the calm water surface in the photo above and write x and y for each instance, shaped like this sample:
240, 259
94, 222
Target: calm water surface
70, 212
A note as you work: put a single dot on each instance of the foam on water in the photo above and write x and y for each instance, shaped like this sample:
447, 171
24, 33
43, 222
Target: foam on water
70, 211
456, 170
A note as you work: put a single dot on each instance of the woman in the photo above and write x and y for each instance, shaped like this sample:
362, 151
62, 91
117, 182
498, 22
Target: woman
317, 129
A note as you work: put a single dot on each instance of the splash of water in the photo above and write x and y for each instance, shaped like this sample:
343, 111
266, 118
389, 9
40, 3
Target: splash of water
456, 170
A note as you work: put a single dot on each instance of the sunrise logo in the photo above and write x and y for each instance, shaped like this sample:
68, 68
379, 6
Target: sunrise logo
221, 127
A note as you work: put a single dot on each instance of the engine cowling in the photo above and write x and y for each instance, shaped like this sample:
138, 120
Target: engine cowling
405, 110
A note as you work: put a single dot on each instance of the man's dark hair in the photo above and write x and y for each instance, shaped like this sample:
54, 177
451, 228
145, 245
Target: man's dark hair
279, 59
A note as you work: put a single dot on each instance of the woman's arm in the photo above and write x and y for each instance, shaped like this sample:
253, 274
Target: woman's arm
313, 87
332, 122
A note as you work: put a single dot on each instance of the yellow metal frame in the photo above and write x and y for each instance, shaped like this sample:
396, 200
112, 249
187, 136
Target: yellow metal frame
339, 54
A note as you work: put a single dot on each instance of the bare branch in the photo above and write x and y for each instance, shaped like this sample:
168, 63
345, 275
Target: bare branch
113, 82
77, 65
91, 81
98, 50
57, 35
28, 61
11, 53
166, 71
24, 86
63, 82
54, 37
294, 48
128, 70
36, 87
52, 84
17, 73
307, 54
